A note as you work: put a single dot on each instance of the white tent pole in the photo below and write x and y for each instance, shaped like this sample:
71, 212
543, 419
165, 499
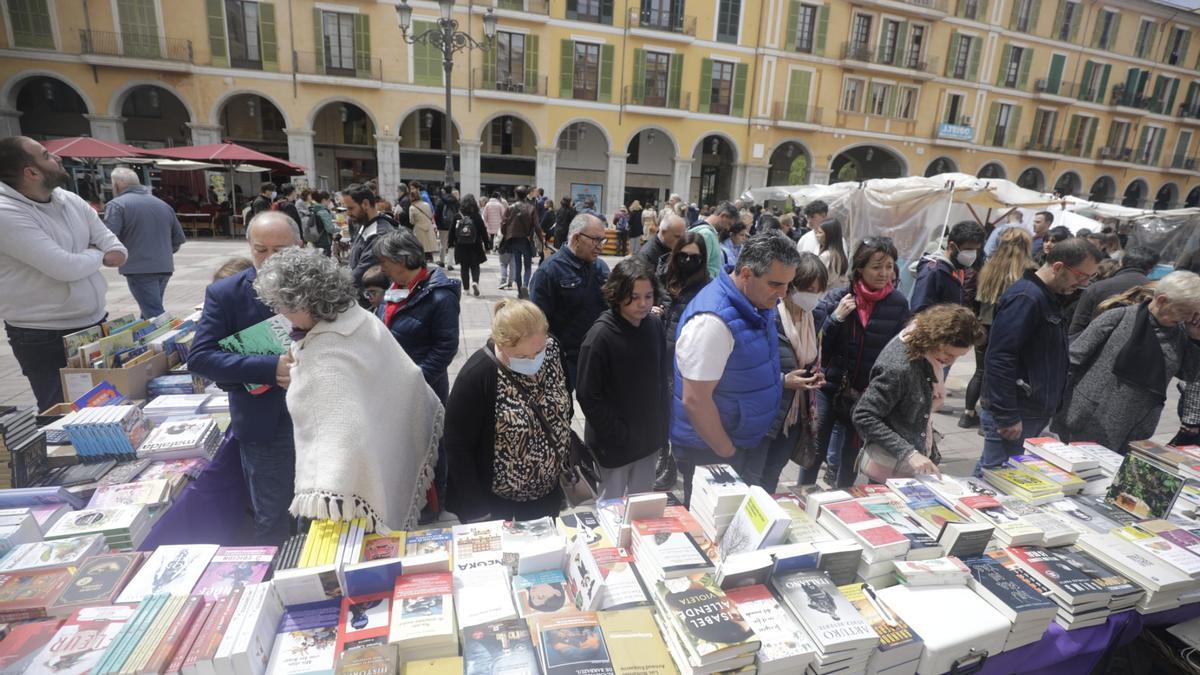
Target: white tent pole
946, 219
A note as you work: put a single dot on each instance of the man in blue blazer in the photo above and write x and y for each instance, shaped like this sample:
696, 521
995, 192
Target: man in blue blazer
260, 422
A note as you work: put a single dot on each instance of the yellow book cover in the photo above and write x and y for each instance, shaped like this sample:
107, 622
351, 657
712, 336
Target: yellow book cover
318, 556
449, 665
306, 552
634, 643
330, 543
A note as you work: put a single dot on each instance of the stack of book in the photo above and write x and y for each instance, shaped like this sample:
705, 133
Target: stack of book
305, 639
82, 640
1010, 528
1055, 532
478, 545
759, 522
165, 406
1123, 593
1079, 459
171, 384
232, 566
423, 624
664, 549
123, 527
954, 623
19, 440
899, 650
153, 492
1163, 584
483, 595
879, 540
1088, 514
182, 439
1029, 611
541, 592
110, 432
890, 508
844, 640
634, 643
584, 651
704, 630
532, 545
949, 571
29, 594
802, 528
1081, 601
39, 554
717, 492
839, 558
18, 526
98, 580
170, 570
1033, 488
623, 584
499, 646
1176, 555
785, 647
1068, 482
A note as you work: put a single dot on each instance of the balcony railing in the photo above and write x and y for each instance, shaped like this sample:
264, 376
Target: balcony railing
664, 21
806, 114
899, 58
531, 6
1115, 153
135, 45
533, 85
1042, 145
1189, 110
312, 63
653, 100
1140, 101
932, 5
1046, 87
1181, 161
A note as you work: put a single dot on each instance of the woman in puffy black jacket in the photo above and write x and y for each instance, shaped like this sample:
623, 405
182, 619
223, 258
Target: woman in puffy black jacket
856, 321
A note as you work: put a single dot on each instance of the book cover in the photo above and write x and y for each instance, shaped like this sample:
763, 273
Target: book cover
707, 622
422, 607
623, 584
894, 634
1143, 489
499, 647
101, 395
783, 640
1007, 587
1058, 573
110, 520
98, 580
233, 565
23, 642
272, 336
378, 547
583, 522
865, 525
758, 522
635, 647
571, 643
666, 541
368, 660
306, 640
170, 569
81, 642
541, 592
51, 553
364, 621
26, 594
586, 579
448, 665
825, 613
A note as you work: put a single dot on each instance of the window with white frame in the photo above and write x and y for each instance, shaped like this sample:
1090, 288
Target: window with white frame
852, 94
881, 93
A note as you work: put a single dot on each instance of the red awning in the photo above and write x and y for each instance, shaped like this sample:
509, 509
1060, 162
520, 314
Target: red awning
228, 154
85, 147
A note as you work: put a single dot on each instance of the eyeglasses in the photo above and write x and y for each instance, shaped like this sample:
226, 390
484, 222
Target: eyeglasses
599, 241
1080, 275
688, 257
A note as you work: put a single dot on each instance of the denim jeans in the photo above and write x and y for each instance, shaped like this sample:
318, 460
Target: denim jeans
270, 471
148, 290
997, 450
688, 458
836, 441
40, 354
521, 252
764, 464
505, 264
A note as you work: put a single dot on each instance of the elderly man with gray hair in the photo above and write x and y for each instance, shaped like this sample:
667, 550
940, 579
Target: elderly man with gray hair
259, 421
567, 288
655, 251
149, 229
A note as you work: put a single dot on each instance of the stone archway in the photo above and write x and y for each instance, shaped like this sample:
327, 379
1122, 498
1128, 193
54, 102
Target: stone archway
155, 117
649, 166
790, 164
715, 155
939, 166
257, 123
1032, 179
50, 108
508, 155
1103, 190
992, 170
1167, 197
865, 162
1068, 184
343, 146
1193, 198
1135, 194
581, 171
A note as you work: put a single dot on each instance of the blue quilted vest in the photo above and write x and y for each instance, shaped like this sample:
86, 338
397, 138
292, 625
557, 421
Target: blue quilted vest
748, 393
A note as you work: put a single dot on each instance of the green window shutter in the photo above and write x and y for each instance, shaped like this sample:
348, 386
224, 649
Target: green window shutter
1076, 22
993, 117
1112, 32
1160, 86
215, 10
1087, 77
427, 59
822, 30
606, 72
489, 68
1183, 46
1014, 14
981, 11
1102, 93
1158, 146
676, 80
572, 9
1005, 58
1153, 36
889, 101
139, 28
973, 67
362, 46
1073, 131
31, 25
1098, 30
1091, 138
566, 70
1026, 62
639, 76
606, 12
1035, 8
951, 62
705, 97
1058, 18
879, 48
1142, 142
1054, 78
318, 42
268, 42
1014, 126
739, 89
901, 50
1192, 90
532, 47
1174, 89
798, 92
790, 29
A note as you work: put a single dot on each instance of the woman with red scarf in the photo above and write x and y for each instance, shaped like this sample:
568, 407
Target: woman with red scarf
856, 322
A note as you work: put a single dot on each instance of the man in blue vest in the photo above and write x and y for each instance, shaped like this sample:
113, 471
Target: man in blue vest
727, 382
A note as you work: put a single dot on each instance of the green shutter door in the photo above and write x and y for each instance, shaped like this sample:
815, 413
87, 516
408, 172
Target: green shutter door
705, 98
318, 42
1087, 78
1131, 84
790, 30
1158, 146
606, 12
139, 28
215, 10
639, 76
822, 30
1190, 101
1156, 99
1091, 138
362, 46
268, 40
951, 61
1014, 14
31, 25
1026, 63
1058, 18
676, 80
1005, 58
1073, 133
993, 117
981, 11
798, 90
489, 69
973, 67
1014, 126
1102, 93
1098, 30
901, 58
1035, 8
1183, 46
427, 62
606, 73
566, 70
532, 49
739, 89
1076, 22
1171, 93
1054, 79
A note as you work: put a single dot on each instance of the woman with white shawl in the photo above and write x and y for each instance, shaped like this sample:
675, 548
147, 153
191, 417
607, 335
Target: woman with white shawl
793, 435
367, 425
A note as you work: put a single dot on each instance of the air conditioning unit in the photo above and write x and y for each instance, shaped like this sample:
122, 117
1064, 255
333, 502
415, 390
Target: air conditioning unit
1041, 85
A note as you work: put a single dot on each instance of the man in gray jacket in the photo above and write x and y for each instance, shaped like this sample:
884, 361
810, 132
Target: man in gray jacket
52, 245
151, 232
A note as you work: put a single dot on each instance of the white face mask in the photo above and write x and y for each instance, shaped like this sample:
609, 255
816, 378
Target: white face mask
967, 258
527, 366
395, 294
805, 300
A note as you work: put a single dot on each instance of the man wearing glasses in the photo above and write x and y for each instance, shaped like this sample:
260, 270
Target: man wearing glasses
1025, 370
567, 288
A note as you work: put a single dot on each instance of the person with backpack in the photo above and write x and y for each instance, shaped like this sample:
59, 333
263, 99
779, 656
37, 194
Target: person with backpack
321, 218
447, 218
467, 237
266, 193
285, 202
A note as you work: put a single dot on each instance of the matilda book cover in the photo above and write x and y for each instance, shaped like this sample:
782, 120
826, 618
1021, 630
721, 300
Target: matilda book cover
272, 336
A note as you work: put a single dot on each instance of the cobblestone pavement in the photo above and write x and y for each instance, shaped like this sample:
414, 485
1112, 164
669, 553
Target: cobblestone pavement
196, 261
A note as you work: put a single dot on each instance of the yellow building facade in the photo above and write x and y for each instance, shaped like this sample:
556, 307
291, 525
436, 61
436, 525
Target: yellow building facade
634, 99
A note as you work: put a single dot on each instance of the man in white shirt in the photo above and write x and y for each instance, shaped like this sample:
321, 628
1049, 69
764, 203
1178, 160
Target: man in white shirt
814, 213
727, 378
52, 245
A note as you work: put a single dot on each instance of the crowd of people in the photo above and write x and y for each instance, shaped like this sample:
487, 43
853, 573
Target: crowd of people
740, 336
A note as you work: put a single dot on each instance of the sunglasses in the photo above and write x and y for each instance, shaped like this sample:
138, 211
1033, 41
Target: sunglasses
688, 257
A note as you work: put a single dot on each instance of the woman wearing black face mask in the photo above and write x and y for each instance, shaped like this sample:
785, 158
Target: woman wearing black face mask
687, 273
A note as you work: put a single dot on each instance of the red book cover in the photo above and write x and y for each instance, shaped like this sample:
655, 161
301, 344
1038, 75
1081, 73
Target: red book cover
689, 522
23, 642
383, 548
980, 502
218, 622
649, 526
173, 638
189, 638
364, 621
25, 594
850, 512
881, 536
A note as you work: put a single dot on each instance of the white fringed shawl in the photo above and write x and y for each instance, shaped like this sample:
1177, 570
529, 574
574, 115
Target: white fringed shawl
367, 425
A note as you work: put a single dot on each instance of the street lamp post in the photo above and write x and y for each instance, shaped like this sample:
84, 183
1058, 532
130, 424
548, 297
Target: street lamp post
449, 39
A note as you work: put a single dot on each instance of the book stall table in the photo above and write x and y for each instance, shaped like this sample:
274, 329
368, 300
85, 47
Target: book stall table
212, 509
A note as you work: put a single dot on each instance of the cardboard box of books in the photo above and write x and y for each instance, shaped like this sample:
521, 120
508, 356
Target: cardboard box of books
130, 381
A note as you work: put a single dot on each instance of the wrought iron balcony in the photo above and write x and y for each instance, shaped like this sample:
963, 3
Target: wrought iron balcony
898, 58
135, 46
313, 63
652, 19
805, 114
654, 99
485, 79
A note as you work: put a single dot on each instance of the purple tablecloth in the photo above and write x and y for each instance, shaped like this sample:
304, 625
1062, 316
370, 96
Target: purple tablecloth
1063, 652
212, 509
